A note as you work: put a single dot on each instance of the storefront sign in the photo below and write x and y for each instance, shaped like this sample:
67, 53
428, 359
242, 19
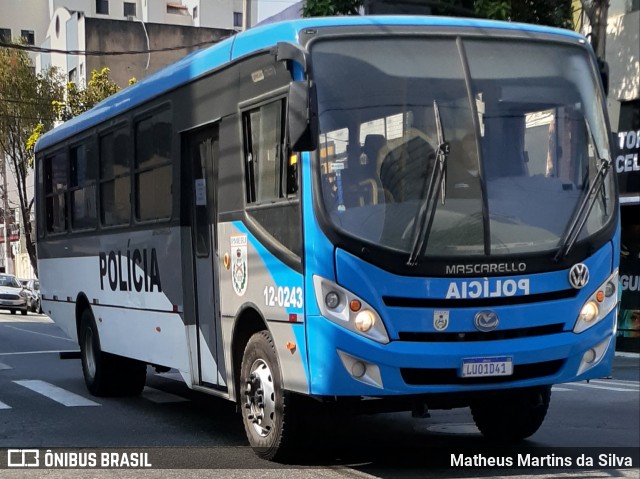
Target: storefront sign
627, 158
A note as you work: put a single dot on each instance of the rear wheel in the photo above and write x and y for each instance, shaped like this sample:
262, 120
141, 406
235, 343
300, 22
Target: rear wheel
514, 416
266, 407
107, 374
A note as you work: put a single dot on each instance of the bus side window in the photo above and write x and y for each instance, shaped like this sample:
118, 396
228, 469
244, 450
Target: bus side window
56, 183
264, 135
82, 189
115, 172
269, 174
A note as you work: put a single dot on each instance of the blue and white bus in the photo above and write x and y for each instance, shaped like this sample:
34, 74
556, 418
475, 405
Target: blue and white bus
338, 209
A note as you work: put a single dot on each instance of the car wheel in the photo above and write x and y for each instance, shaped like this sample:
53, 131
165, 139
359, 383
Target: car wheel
23, 312
13, 311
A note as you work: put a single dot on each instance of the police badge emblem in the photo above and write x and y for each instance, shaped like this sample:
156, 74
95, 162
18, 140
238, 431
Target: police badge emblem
440, 320
239, 270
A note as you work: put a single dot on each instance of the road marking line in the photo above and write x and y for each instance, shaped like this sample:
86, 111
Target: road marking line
556, 388
40, 334
4, 406
37, 352
4, 366
55, 393
595, 386
633, 384
160, 397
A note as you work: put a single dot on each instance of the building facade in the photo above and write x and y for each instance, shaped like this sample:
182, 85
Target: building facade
623, 58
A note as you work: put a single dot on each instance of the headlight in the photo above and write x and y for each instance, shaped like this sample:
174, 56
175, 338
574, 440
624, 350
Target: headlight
599, 304
348, 310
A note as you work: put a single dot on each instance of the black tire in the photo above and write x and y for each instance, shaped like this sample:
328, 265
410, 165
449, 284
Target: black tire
23, 312
13, 311
271, 436
107, 374
513, 416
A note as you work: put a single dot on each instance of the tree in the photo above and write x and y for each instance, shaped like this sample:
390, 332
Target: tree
322, 8
557, 13
78, 100
597, 13
25, 102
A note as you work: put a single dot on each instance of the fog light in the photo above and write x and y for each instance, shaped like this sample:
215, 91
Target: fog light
332, 300
358, 369
365, 320
589, 356
609, 289
589, 312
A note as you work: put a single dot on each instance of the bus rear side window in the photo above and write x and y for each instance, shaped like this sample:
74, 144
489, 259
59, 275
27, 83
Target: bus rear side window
115, 184
55, 192
153, 169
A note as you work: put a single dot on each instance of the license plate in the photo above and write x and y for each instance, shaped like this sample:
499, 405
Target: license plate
486, 367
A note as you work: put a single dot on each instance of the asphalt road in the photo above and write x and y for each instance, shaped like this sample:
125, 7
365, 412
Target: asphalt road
44, 404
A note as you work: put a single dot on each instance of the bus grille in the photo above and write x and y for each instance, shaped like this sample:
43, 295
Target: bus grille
496, 335
9, 296
434, 377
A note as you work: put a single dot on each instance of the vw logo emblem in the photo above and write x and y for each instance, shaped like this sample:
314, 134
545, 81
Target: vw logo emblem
579, 275
486, 320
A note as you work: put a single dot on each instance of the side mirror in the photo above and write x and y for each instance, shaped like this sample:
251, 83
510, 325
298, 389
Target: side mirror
603, 67
302, 118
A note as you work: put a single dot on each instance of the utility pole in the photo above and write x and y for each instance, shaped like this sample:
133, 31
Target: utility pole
8, 264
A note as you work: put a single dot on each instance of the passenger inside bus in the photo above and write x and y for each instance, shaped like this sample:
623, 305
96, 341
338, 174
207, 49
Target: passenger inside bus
463, 179
361, 181
405, 166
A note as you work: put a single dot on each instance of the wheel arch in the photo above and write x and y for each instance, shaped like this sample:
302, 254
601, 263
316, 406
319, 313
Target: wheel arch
247, 322
82, 303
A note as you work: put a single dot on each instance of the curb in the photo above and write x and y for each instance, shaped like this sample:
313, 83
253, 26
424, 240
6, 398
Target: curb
622, 354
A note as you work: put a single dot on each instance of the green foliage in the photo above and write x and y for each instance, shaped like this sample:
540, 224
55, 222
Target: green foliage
38, 131
324, 8
493, 9
99, 87
556, 13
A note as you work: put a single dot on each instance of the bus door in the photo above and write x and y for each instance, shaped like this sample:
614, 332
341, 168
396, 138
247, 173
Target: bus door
203, 148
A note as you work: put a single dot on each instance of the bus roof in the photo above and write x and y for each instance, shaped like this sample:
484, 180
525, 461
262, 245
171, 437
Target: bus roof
255, 39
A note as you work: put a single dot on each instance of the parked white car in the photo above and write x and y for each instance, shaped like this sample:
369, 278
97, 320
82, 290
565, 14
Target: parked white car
33, 301
13, 296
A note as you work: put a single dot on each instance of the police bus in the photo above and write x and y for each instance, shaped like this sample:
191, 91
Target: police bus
337, 209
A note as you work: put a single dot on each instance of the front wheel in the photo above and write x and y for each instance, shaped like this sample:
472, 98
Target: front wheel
266, 406
107, 374
513, 416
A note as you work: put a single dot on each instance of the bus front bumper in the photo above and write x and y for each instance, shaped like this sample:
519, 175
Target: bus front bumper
342, 363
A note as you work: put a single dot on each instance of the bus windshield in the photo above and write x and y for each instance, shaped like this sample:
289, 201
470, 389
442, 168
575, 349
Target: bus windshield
525, 132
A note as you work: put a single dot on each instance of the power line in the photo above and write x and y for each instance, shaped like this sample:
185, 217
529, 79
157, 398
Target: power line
32, 48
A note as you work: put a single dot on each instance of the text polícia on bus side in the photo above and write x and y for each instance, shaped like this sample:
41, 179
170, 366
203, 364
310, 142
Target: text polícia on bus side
139, 272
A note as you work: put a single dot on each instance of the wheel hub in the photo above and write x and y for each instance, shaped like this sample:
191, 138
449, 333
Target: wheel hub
259, 408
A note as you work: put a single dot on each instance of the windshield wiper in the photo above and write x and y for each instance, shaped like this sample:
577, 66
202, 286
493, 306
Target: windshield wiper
584, 210
423, 220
